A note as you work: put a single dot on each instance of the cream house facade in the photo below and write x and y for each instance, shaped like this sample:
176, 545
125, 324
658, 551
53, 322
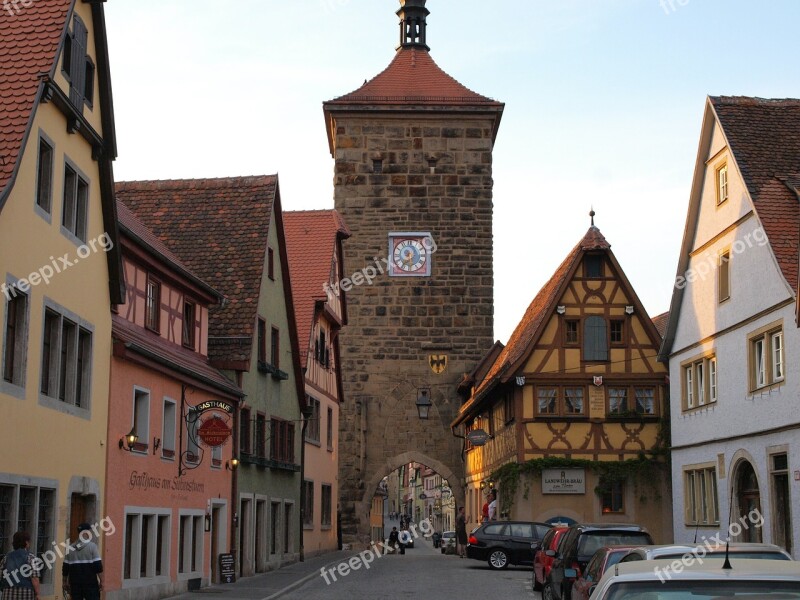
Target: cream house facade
732, 337
60, 274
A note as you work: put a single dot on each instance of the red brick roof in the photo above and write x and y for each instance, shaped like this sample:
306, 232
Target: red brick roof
413, 78
764, 138
660, 322
219, 228
165, 353
29, 41
527, 332
131, 226
311, 240
528, 329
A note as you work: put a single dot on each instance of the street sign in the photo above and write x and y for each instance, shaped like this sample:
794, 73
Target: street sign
477, 437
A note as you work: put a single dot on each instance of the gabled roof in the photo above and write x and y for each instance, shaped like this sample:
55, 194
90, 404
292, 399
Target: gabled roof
527, 333
413, 78
219, 229
763, 138
660, 322
312, 239
29, 42
132, 227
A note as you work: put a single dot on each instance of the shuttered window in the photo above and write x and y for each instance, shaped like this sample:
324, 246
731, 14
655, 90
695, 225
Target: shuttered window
595, 339
78, 67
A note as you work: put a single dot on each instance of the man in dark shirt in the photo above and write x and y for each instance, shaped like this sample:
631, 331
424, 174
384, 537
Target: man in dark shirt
83, 567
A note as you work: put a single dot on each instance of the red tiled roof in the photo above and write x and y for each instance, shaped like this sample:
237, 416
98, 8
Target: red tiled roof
413, 78
29, 41
152, 346
528, 328
219, 228
131, 224
764, 138
660, 322
311, 241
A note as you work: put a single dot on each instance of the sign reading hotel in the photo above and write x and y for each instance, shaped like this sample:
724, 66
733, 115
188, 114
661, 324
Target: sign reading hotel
564, 481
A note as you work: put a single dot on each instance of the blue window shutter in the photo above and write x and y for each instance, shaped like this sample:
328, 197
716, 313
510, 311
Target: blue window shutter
595, 339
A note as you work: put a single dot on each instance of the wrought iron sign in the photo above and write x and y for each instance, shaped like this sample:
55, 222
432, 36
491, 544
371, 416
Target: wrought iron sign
208, 425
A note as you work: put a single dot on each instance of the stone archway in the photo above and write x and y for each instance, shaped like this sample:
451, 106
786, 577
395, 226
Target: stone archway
389, 465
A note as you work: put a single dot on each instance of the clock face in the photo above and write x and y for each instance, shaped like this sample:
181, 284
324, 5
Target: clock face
409, 254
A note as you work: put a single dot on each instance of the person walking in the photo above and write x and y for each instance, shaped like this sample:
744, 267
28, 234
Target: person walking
14, 567
82, 570
461, 533
394, 539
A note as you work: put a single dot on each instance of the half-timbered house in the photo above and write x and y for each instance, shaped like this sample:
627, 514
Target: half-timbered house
573, 406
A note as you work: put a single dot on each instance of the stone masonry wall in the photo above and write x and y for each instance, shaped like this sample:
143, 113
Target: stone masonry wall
436, 177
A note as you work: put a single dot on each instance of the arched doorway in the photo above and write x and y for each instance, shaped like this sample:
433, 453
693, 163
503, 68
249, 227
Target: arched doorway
417, 513
748, 499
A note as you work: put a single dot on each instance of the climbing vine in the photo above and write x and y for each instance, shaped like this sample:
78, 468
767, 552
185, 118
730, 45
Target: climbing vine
646, 474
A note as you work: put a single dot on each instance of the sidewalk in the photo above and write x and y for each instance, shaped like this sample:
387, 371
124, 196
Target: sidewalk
269, 585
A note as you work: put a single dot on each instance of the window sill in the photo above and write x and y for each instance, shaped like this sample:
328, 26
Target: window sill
267, 368
314, 443
766, 389
695, 409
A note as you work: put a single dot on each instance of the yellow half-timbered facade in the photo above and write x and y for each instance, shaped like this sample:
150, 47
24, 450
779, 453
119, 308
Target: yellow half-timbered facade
573, 407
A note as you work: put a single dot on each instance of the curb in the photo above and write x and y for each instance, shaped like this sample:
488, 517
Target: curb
306, 579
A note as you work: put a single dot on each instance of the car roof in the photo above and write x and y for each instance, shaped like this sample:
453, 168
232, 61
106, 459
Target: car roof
708, 569
654, 551
613, 526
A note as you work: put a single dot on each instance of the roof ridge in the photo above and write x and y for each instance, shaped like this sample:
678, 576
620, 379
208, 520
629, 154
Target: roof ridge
196, 182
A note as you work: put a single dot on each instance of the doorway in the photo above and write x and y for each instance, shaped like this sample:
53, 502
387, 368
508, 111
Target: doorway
781, 504
749, 500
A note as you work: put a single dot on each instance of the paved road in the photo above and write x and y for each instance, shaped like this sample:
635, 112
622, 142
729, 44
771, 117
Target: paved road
424, 573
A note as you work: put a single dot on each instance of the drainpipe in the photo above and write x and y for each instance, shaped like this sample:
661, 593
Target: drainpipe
307, 413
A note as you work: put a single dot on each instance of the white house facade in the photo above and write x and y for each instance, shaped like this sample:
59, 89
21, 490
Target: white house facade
732, 341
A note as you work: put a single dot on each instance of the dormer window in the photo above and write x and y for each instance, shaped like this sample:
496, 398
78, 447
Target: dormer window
76, 65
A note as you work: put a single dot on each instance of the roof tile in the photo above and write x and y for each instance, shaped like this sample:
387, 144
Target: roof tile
413, 78
764, 137
29, 41
219, 228
311, 239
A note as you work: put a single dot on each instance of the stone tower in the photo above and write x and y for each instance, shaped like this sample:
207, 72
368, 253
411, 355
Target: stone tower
413, 181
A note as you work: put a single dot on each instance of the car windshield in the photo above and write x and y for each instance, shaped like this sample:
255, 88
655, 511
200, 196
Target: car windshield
674, 589
589, 543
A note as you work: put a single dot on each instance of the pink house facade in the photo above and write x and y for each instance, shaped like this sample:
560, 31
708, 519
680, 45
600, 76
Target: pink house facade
171, 501
314, 246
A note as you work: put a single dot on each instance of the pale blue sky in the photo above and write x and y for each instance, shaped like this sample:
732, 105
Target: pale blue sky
604, 100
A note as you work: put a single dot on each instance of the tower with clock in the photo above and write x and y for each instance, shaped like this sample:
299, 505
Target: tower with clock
413, 180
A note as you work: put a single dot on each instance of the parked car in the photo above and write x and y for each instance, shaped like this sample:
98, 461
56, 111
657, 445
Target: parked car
747, 579
503, 543
737, 549
541, 561
580, 543
603, 559
448, 542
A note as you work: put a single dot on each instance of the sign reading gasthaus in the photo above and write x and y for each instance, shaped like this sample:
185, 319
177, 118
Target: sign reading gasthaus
564, 481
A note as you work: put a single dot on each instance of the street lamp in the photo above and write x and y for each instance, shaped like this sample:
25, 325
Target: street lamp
423, 403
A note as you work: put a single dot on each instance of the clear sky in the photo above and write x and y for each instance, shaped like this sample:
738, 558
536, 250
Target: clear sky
604, 101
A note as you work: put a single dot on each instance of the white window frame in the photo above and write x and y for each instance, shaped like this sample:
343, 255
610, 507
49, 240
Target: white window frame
699, 381
140, 419
168, 429
722, 183
701, 500
766, 355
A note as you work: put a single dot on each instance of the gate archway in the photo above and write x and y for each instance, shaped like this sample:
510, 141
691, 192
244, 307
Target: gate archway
363, 506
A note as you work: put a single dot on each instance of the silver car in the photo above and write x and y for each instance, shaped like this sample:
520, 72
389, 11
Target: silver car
682, 579
736, 549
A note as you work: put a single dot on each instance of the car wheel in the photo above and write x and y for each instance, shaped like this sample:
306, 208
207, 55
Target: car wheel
498, 559
547, 592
